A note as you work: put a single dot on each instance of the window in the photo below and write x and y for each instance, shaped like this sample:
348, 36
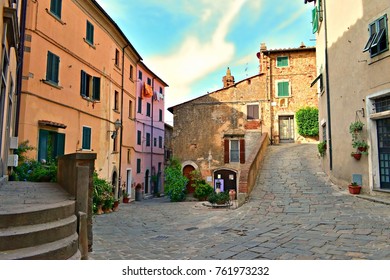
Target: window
56, 7
116, 101
117, 57
160, 115
139, 137
131, 71
377, 41
52, 68
128, 156
51, 145
252, 112
148, 108
149, 82
130, 109
139, 110
90, 86
154, 141
138, 165
86, 142
283, 89
114, 144
234, 150
282, 61
89, 36
147, 139
140, 75
324, 132
160, 141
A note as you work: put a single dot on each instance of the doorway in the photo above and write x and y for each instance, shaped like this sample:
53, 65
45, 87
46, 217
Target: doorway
286, 129
383, 130
128, 182
187, 173
147, 181
226, 179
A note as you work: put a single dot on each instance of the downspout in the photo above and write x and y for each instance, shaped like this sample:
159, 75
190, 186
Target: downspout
151, 139
20, 64
328, 92
121, 120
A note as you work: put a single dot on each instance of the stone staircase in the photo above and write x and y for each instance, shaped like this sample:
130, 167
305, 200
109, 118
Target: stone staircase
37, 221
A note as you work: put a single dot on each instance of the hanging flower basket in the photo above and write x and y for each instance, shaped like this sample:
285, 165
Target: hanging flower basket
357, 155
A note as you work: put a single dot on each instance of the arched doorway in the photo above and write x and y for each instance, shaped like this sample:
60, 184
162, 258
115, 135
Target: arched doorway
147, 181
187, 172
226, 178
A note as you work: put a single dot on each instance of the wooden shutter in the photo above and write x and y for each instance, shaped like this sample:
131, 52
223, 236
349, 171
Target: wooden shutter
83, 83
60, 145
43, 144
96, 88
86, 138
242, 150
226, 151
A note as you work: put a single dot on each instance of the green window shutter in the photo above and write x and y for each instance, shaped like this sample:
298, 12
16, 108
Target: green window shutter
138, 165
56, 7
43, 144
282, 61
83, 85
283, 89
86, 145
314, 18
96, 88
90, 32
138, 137
52, 67
60, 145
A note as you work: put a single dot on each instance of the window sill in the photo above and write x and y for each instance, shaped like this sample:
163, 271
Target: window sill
116, 111
90, 99
379, 57
89, 44
55, 17
50, 83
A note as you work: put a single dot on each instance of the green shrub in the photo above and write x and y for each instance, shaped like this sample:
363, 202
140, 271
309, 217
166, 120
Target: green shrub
203, 190
175, 181
219, 198
307, 121
33, 170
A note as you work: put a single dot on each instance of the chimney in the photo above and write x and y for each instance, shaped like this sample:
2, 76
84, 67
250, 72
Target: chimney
228, 80
261, 57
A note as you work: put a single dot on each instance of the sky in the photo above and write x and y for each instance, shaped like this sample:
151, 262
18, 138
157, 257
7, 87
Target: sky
189, 44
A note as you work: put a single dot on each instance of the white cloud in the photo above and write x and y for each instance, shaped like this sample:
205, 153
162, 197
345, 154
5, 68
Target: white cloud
195, 58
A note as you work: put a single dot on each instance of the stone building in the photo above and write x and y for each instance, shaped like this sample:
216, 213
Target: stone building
218, 133
353, 83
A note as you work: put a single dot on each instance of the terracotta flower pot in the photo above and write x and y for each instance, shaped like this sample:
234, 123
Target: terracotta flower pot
354, 189
362, 149
357, 156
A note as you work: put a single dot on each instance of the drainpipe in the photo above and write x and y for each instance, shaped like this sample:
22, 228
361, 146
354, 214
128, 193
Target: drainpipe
121, 116
151, 140
328, 92
20, 64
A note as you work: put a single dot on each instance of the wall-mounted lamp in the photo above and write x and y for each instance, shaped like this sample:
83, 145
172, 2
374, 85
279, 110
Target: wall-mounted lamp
117, 125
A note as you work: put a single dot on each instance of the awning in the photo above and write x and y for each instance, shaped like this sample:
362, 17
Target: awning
52, 124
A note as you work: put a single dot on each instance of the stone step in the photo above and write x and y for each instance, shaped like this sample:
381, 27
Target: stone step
66, 248
32, 235
36, 214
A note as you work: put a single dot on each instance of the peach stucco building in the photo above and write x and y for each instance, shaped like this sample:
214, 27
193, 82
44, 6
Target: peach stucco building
9, 35
79, 87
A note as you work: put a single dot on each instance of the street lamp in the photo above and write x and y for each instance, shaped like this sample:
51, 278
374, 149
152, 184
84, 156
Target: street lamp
117, 125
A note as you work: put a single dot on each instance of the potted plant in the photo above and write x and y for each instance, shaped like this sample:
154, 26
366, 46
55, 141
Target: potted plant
219, 198
361, 145
356, 155
322, 148
126, 198
203, 190
356, 126
354, 188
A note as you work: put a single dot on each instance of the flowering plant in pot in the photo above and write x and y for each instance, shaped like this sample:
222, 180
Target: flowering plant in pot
357, 155
356, 126
361, 145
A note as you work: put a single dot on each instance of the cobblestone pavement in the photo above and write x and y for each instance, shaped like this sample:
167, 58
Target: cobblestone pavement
293, 213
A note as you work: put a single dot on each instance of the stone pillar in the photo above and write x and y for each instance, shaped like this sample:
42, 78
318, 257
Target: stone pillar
75, 175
